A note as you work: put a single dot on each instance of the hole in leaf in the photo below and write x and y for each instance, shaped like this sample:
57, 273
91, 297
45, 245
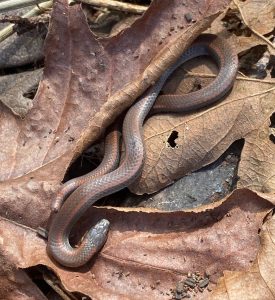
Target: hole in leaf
272, 120
172, 139
272, 125
272, 138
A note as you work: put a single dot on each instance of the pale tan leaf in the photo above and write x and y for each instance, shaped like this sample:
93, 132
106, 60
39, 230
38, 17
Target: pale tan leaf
202, 136
257, 165
259, 14
241, 43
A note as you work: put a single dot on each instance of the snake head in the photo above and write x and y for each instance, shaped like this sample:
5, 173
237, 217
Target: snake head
98, 233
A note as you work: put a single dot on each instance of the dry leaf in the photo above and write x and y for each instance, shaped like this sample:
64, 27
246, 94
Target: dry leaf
16, 285
257, 165
223, 27
258, 282
147, 253
262, 22
86, 84
203, 136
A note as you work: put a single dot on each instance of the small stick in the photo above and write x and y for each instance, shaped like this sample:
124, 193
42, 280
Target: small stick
115, 5
15, 4
31, 21
242, 77
50, 281
253, 30
7, 31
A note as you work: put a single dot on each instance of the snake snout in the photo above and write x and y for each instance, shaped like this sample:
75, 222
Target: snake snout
98, 233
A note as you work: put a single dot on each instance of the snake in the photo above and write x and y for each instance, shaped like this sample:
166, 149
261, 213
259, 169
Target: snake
85, 192
109, 163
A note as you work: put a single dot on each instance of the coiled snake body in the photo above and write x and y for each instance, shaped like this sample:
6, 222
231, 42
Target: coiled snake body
94, 187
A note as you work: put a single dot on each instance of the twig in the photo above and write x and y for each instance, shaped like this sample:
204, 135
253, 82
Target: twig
253, 30
31, 21
242, 77
9, 30
15, 4
50, 281
25, 24
115, 5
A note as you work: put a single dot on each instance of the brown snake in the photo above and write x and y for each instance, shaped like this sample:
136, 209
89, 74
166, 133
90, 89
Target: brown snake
92, 188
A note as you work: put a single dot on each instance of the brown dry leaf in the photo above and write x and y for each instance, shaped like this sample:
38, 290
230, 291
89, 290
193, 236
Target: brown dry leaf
242, 43
231, 25
257, 165
203, 136
258, 282
87, 83
254, 51
148, 252
164, 165
15, 283
262, 22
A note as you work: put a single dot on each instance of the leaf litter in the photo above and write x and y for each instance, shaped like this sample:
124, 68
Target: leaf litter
149, 254
146, 254
201, 142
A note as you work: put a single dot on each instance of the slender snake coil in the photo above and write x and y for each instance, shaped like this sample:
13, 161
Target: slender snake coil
108, 178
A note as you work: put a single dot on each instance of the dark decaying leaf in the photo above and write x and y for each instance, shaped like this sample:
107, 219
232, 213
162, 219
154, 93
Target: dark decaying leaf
14, 91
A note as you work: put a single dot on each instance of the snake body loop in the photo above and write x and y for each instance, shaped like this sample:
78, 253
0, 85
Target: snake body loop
92, 190
109, 163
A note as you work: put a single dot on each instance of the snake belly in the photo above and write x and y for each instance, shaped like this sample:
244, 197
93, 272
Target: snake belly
59, 247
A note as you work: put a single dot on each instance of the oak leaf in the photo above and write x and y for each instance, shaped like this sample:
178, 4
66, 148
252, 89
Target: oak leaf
148, 252
203, 136
257, 165
258, 281
87, 83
